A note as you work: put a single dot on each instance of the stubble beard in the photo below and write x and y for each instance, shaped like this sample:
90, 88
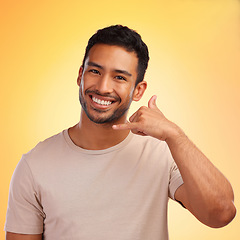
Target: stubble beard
116, 115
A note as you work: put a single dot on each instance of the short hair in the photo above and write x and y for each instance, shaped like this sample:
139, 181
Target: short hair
118, 35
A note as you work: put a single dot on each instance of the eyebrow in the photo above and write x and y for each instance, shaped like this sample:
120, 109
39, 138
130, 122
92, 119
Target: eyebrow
123, 72
93, 64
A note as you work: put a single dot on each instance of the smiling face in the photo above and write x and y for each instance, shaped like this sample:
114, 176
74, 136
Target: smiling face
107, 83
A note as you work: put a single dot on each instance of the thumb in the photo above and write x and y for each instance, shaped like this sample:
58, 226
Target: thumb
152, 102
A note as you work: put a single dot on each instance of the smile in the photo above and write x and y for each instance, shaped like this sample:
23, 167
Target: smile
101, 102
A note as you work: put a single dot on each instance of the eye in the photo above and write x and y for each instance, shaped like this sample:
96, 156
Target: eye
94, 71
121, 78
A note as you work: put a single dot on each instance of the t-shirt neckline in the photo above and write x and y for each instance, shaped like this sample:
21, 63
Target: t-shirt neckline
118, 146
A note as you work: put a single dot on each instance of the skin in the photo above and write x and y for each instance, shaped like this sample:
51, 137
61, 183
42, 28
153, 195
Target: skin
206, 193
15, 236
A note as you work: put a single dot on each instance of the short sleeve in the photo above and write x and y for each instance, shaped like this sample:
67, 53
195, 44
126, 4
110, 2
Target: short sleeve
24, 213
175, 180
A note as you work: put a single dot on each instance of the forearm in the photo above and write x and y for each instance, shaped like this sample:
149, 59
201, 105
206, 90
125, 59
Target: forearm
16, 236
209, 194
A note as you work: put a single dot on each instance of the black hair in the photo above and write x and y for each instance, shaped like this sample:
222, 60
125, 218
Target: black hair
122, 36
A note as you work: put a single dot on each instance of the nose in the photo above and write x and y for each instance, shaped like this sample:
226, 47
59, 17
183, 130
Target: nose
104, 84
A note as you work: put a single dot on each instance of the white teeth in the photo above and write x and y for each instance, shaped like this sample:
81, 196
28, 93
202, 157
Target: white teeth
101, 102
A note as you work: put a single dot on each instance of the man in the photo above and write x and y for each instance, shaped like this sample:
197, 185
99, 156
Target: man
107, 178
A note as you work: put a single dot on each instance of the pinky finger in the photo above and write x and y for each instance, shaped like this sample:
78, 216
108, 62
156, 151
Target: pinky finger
133, 117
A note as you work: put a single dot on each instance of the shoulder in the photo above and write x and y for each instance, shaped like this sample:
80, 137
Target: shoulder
149, 143
54, 140
151, 148
48, 147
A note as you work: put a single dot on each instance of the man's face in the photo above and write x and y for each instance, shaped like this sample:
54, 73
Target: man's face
107, 83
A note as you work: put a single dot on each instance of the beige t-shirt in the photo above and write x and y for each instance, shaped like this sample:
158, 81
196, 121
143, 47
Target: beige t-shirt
119, 193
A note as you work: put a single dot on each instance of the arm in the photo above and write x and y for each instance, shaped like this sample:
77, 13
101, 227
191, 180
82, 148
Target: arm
16, 236
25, 213
206, 193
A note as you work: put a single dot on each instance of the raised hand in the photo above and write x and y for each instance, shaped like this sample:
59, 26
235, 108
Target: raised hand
205, 192
150, 121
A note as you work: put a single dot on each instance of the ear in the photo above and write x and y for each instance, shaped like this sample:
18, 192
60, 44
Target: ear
139, 90
79, 76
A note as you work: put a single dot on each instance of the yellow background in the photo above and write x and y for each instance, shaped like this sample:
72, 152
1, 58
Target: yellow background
194, 69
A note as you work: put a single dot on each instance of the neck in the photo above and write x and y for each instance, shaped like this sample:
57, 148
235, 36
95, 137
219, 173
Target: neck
92, 136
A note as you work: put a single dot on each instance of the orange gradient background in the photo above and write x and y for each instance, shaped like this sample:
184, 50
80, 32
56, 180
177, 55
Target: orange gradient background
194, 70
